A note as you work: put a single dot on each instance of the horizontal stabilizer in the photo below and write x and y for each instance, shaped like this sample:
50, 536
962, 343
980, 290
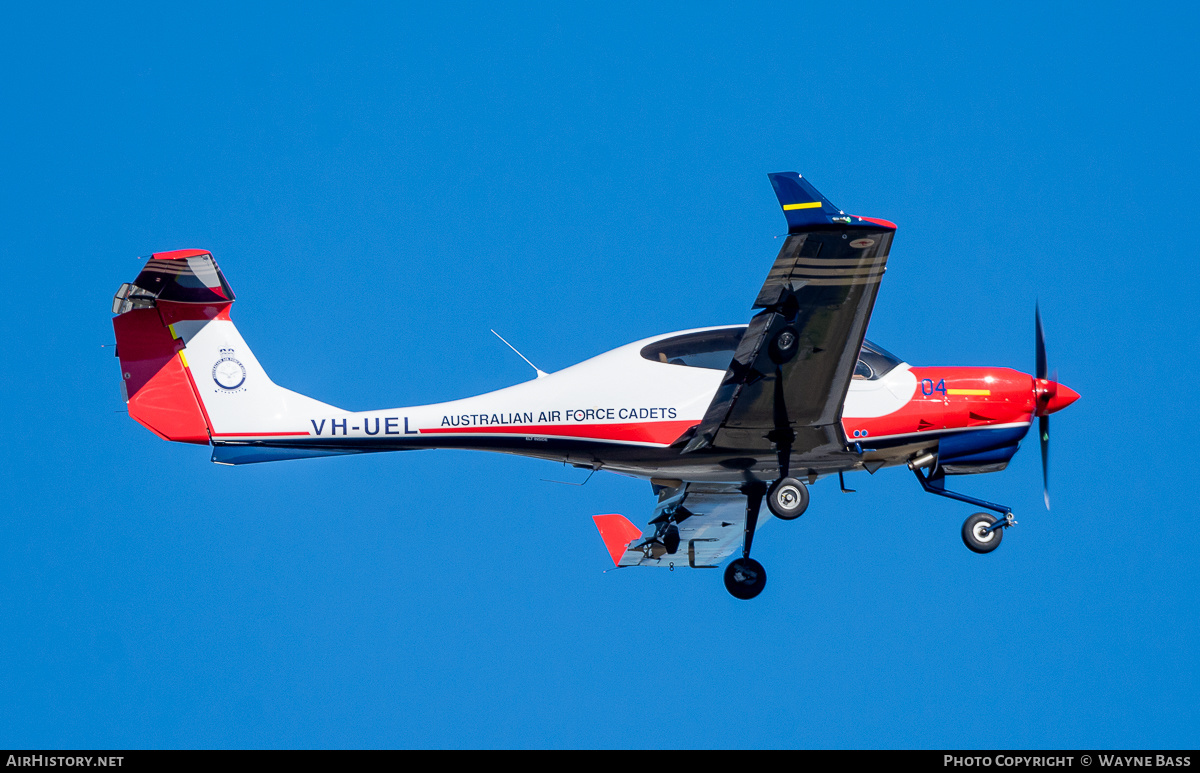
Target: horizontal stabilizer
803, 205
617, 532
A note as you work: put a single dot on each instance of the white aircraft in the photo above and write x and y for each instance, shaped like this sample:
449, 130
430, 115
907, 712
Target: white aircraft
717, 419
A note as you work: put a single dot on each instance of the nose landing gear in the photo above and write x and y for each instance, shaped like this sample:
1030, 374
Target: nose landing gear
981, 532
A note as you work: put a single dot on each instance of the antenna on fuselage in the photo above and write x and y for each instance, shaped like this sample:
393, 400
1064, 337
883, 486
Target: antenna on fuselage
540, 372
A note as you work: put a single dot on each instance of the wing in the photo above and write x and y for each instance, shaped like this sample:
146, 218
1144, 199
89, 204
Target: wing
711, 519
790, 373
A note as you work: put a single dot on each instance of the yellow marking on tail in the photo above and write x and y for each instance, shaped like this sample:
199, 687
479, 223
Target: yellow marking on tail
809, 205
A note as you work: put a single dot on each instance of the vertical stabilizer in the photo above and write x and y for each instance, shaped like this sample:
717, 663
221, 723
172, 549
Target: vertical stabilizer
186, 372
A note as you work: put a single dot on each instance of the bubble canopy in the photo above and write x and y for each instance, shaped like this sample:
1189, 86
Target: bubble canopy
714, 349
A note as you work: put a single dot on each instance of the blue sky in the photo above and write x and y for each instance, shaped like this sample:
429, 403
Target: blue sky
383, 185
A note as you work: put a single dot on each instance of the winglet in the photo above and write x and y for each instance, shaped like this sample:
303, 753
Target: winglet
803, 205
617, 532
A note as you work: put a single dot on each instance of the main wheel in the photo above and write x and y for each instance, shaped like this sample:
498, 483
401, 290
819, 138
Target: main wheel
787, 498
784, 345
976, 536
745, 578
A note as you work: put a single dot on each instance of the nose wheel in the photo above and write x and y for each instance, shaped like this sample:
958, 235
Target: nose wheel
982, 533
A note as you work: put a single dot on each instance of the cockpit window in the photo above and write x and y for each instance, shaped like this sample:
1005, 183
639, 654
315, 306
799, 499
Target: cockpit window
714, 349
708, 349
874, 361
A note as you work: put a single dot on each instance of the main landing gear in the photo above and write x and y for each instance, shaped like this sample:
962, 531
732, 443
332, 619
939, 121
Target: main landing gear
744, 577
981, 533
787, 498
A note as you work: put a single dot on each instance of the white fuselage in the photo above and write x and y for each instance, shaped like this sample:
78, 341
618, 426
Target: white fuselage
618, 410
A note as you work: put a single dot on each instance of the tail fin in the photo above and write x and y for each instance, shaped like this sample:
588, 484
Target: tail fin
187, 374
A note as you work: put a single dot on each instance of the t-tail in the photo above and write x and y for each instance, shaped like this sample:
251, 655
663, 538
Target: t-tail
187, 374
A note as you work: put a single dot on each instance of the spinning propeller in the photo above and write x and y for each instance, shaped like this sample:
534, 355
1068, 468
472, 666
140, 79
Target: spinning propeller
1049, 396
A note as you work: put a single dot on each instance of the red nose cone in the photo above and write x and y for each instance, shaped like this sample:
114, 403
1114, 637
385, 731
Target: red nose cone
1054, 397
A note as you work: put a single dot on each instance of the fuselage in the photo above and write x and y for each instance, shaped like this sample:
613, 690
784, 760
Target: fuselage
628, 409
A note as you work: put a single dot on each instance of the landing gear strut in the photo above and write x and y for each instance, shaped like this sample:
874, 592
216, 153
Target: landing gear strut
744, 577
981, 532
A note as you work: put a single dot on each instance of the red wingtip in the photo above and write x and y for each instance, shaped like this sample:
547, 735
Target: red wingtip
617, 532
878, 221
